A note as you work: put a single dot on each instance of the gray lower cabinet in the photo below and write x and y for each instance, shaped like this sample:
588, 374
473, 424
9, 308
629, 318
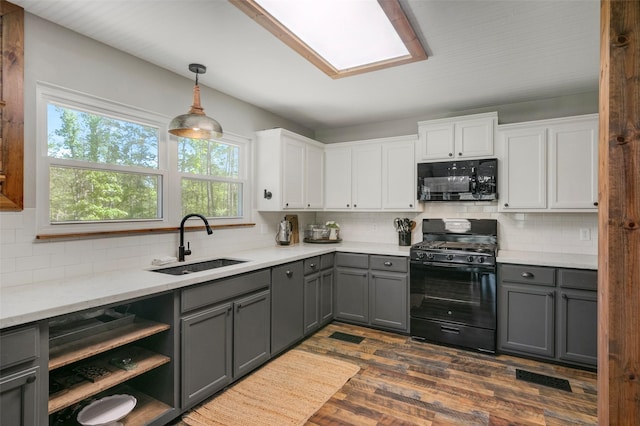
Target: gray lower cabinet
373, 290
22, 387
318, 292
225, 333
548, 313
286, 306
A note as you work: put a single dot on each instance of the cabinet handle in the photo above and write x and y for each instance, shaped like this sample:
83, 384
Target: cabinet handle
355, 205
31, 378
312, 266
308, 205
451, 154
287, 204
527, 275
288, 273
411, 205
506, 204
595, 204
347, 205
388, 263
459, 154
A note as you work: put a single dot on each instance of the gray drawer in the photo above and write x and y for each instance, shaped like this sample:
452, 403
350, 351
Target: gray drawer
311, 265
527, 274
352, 260
389, 263
326, 261
215, 291
19, 346
583, 279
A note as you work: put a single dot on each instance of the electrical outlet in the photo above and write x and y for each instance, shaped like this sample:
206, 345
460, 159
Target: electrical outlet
585, 234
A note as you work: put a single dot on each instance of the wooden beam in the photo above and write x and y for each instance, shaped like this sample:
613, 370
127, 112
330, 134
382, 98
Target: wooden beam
619, 215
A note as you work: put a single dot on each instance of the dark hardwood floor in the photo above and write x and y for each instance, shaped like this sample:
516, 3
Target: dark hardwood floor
402, 382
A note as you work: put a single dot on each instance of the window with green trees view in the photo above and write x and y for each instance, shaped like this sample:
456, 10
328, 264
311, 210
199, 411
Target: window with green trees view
107, 163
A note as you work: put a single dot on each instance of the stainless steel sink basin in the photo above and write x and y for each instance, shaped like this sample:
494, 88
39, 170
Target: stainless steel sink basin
198, 267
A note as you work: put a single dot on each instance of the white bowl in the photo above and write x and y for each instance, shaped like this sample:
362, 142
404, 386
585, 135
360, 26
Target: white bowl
106, 410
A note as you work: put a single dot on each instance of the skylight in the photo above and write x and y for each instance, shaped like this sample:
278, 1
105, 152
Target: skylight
341, 37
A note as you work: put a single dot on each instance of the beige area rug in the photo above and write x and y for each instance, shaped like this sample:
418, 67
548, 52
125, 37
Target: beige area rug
286, 391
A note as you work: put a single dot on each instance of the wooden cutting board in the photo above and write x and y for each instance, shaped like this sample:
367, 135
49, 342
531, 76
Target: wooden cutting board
295, 235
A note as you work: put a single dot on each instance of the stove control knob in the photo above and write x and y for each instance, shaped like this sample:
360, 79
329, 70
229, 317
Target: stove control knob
449, 257
419, 255
430, 256
481, 259
469, 259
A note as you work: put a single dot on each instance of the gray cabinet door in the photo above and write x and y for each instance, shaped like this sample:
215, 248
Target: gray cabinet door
286, 306
326, 296
526, 319
578, 326
206, 353
389, 300
352, 295
19, 398
251, 332
311, 303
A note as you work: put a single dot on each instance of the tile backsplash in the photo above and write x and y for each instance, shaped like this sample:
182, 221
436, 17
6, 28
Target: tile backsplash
24, 260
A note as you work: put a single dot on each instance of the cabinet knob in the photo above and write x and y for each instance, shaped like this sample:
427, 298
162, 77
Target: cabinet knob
595, 204
287, 204
308, 205
31, 378
506, 204
288, 273
355, 205
459, 154
388, 263
411, 205
451, 154
527, 275
312, 265
347, 205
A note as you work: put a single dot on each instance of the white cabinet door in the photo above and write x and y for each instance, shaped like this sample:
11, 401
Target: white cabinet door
470, 136
314, 178
398, 175
337, 178
573, 165
524, 176
293, 174
366, 176
474, 138
436, 141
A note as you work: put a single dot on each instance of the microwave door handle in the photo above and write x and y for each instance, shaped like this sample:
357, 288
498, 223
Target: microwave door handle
474, 181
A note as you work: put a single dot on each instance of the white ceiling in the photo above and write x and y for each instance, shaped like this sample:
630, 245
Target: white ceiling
481, 53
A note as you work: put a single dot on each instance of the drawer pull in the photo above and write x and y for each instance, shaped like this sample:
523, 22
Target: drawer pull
31, 378
288, 273
388, 263
451, 330
313, 266
527, 275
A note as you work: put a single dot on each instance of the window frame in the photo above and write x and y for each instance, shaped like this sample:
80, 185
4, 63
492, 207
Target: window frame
170, 204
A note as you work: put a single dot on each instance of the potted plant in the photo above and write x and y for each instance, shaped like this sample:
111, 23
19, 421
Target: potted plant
334, 230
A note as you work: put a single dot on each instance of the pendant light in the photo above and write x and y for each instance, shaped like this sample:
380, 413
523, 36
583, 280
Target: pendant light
195, 124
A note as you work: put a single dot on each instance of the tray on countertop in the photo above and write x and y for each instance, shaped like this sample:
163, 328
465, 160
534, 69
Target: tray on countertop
322, 241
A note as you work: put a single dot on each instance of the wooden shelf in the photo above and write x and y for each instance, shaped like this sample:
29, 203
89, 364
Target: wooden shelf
146, 409
71, 352
145, 360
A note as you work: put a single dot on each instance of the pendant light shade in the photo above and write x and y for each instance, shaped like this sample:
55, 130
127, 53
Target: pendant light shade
195, 124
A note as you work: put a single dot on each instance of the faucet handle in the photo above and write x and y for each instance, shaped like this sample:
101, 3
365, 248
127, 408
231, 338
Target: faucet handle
187, 252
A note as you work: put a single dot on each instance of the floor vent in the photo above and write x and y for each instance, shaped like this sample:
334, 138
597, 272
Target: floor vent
347, 337
541, 379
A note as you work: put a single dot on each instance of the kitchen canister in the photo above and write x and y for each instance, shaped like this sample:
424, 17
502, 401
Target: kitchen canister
404, 238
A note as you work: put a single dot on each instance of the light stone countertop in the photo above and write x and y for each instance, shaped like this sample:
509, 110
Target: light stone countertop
560, 260
47, 299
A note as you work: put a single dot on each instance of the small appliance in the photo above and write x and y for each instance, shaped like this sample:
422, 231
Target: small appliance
283, 236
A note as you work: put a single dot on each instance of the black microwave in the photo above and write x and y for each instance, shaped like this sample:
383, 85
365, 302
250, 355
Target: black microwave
465, 180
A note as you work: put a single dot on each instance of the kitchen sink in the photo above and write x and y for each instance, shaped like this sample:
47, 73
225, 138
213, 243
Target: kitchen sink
198, 267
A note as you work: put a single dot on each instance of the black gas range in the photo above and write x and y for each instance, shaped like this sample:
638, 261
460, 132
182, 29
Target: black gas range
453, 283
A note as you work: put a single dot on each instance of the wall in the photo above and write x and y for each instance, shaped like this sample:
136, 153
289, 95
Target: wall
540, 232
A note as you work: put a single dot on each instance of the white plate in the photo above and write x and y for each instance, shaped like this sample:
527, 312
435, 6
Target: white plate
106, 410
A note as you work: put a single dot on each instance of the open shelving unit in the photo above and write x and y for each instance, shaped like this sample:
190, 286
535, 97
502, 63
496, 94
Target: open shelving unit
98, 352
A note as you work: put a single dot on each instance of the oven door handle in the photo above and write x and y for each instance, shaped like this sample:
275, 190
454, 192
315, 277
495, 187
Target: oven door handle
459, 266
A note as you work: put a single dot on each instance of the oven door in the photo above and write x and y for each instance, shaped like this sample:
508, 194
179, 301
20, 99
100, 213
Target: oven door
460, 294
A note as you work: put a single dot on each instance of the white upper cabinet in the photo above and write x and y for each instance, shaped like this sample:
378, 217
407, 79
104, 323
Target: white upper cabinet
466, 137
550, 165
289, 171
399, 174
371, 175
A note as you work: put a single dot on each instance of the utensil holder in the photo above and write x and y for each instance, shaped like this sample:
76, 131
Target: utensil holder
404, 238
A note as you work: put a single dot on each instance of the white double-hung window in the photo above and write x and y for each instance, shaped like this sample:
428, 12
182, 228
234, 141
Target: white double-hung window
104, 166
